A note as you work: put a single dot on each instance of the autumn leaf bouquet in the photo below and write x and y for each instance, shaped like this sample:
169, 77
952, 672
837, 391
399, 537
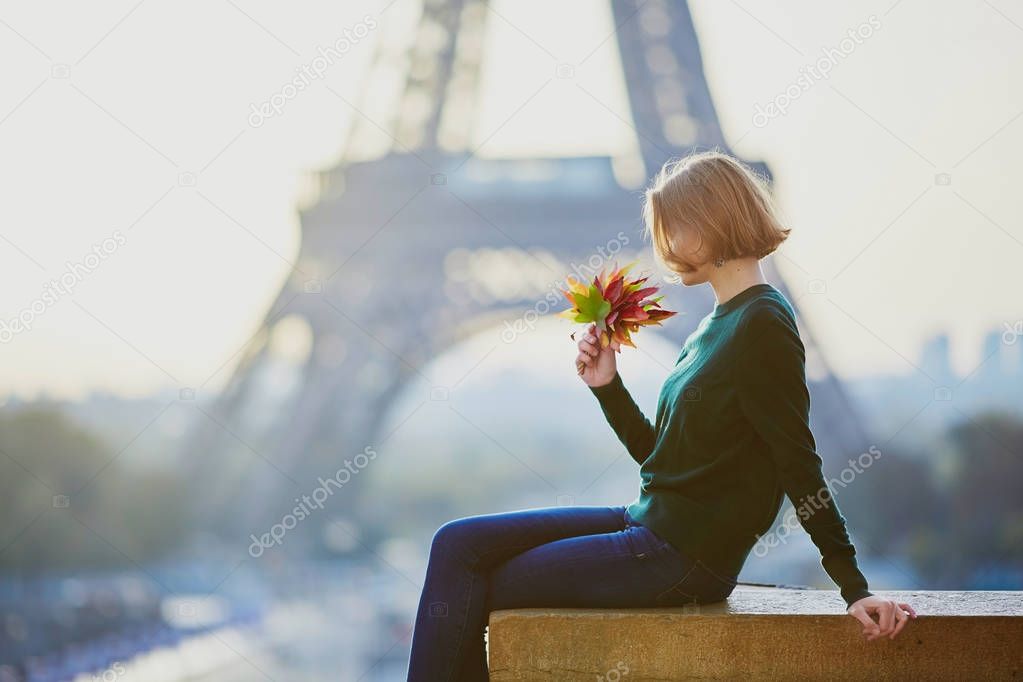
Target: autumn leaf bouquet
617, 305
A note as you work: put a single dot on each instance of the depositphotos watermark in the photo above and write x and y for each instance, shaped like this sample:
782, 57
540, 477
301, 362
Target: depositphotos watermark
55, 289
1013, 330
112, 673
307, 73
582, 272
812, 74
793, 519
308, 503
620, 670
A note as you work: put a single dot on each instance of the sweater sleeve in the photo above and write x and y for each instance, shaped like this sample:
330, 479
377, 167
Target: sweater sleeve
626, 419
770, 376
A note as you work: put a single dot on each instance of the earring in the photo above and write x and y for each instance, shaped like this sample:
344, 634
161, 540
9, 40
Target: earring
719, 262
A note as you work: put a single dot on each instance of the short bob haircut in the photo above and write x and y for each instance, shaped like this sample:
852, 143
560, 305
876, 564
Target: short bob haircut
722, 199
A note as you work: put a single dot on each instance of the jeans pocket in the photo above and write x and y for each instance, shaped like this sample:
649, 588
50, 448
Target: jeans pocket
719, 586
643, 542
723, 580
665, 564
701, 585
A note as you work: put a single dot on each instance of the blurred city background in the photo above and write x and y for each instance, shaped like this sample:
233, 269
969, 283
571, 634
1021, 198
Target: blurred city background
278, 284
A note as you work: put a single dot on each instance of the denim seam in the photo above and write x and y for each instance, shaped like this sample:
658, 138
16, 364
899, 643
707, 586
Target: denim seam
675, 590
656, 557
726, 581
460, 633
656, 549
674, 587
573, 562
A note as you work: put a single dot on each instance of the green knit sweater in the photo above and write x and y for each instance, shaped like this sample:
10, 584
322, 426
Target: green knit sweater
731, 439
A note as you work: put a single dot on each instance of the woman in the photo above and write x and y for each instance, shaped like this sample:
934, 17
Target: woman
731, 438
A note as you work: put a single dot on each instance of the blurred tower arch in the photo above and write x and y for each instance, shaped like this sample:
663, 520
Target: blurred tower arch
413, 241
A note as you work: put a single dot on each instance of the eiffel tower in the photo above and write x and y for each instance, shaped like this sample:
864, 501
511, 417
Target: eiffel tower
371, 300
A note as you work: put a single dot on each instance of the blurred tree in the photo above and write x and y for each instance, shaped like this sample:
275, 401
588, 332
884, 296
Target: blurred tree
890, 502
69, 505
956, 513
986, 500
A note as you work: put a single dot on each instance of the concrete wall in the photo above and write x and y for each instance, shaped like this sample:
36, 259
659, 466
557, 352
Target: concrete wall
773, 634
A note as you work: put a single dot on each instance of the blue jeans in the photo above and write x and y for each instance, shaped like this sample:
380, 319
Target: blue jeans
595, 557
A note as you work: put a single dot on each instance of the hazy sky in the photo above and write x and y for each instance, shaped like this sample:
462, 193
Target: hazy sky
130, 122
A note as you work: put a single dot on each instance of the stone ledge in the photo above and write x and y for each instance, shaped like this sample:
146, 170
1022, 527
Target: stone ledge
762, 633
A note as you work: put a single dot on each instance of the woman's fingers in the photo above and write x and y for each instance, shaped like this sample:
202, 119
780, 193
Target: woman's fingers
887, 620
591, 342
901, 618
892, 617
870, 628
583, 358
589, 345
904, 613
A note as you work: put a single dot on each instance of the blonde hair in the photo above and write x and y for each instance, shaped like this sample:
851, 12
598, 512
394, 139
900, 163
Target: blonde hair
724, 200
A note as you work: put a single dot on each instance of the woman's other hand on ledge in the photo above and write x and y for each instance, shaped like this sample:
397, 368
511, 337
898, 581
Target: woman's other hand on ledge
892, 616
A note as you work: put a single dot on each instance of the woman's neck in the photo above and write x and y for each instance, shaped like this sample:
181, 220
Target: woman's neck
735, 276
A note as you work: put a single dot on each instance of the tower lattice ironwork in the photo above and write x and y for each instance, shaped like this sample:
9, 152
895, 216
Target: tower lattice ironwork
334, 350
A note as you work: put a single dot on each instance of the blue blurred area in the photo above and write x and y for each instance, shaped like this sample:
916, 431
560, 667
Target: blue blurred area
57, 627
189, 620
